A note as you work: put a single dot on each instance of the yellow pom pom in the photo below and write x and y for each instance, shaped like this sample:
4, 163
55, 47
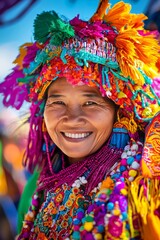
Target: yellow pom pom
98, 236
88, 226
147, 112
124, 192
116, 212
132, 173
155, 108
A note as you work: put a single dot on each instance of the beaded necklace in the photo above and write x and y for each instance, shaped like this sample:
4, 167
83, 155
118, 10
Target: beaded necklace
107, 217
94, 167
69, 212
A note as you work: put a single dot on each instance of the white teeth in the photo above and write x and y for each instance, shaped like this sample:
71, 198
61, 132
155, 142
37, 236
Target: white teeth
76, 135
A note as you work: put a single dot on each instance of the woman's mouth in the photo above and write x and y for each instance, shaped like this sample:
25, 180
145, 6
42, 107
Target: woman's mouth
76, 135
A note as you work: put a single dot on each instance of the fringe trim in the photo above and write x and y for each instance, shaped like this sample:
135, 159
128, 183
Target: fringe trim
144, 200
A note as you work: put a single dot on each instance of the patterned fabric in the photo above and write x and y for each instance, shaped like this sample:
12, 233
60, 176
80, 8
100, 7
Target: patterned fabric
151, 151
55, 218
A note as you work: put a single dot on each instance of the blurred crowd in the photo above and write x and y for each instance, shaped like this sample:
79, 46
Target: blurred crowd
153, 13
12, 174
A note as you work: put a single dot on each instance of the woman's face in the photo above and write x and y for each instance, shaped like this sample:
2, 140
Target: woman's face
78, 119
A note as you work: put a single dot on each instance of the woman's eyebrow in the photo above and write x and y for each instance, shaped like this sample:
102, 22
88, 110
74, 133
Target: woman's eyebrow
95, 95
55, 95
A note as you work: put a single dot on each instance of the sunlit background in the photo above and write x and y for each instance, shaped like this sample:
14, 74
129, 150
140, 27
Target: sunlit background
16, 27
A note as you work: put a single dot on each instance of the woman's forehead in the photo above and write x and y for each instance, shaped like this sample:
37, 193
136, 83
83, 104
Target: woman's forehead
61, 85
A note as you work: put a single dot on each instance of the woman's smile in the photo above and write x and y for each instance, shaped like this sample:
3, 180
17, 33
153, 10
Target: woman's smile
76, 136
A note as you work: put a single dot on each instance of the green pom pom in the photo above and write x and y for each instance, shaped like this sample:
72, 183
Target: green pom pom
42, 25
49, 25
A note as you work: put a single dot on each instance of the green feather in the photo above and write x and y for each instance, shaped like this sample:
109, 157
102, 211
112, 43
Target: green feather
49, 25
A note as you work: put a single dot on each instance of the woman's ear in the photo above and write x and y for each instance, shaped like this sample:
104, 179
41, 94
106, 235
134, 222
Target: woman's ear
44, 129
116, 113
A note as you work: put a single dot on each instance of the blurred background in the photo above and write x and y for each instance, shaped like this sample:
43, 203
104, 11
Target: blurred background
16, 28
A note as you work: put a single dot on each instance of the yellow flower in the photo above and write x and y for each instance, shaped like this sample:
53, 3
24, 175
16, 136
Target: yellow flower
72, 196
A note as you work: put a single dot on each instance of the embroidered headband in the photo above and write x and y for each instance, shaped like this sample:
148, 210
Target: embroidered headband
112, 51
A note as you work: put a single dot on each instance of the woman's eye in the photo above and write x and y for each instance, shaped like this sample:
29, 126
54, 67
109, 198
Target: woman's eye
60, 103
90, 103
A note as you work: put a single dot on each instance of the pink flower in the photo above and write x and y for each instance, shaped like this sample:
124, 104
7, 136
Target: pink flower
98, 29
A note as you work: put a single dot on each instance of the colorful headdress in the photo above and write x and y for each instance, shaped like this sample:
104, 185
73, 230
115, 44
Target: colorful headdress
111, 50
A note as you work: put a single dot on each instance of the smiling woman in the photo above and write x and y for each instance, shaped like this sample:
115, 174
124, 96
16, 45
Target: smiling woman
94, 126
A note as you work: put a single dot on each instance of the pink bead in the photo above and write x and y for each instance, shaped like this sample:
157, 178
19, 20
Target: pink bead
35, 202
124, 162
76, 228
125, 174
115, 226
120, 186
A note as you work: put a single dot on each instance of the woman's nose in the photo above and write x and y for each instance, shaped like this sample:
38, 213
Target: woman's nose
74, 114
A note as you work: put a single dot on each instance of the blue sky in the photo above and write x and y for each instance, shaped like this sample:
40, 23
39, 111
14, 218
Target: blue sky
15, 34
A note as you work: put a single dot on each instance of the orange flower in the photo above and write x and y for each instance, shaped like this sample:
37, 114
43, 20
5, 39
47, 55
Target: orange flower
54, 211
136, 20
50, 205
41, 236
61, 208
69, 203
48, 223
75, 190
133, 50
66, 217
119, 16
59, 198
107, 183
64, 224
72, 196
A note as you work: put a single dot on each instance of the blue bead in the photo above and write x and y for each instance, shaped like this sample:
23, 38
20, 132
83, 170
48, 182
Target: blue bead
138, 157
99, 203
122, 179
110, 206
122, 168
51, 147
130, 160
124, 216
76, 221
100, 228
80, 210
76, 235
116, 175
44, 147
127, 226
